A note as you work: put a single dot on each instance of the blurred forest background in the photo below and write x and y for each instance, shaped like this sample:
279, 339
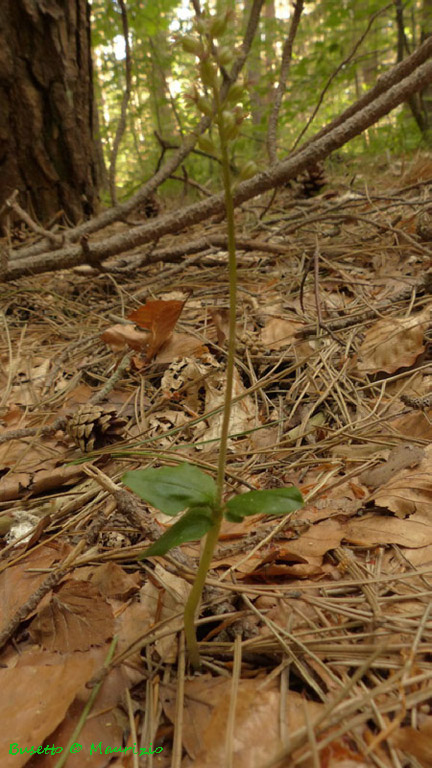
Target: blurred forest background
340, 49
95, 97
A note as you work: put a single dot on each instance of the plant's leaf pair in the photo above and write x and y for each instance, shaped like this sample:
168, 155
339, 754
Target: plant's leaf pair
279, 501
185, 487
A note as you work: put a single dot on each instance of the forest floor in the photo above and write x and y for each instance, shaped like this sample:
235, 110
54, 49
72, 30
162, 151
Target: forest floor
315, 630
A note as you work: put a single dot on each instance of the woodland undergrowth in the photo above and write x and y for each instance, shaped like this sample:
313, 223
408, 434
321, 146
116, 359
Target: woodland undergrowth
318, 625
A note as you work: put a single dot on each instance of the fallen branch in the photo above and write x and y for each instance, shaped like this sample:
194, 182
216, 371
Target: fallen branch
384, 82
74, 255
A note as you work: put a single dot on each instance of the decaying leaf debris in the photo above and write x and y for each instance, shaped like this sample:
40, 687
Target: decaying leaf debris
317, 624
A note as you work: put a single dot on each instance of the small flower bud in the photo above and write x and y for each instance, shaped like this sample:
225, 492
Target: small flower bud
192, 45
218, 25
239, 114
206, 144
225, 56
192, 93
205, 106
235, 93
201, 26
208, 73
232, 132
248, 170
228, 119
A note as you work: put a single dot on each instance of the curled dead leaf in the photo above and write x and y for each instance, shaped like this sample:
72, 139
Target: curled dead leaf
393, 343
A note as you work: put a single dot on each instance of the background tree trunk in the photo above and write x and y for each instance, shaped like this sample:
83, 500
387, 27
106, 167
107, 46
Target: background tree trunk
47, 150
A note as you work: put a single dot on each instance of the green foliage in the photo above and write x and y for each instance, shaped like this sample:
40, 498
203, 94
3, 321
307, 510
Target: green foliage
172, 489
279, 501
192, 526
161, 72
185, 487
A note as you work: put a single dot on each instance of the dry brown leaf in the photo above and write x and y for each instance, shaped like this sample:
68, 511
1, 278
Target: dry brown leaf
391, 344
417, 743
76, 618
16, 485
107, 721
220, 319
279, 333
120, 336
160, 318
340, 506
30, 455
18, 582
301, 557
180, 345
415, 557
314, 543
79, 395
410, 491
164, 600
295, 570
113, 581
106, 727
257, 730
374, 530
36, 694
244, 415
404, 500
14, 416
29, 379
133, 623
416, 425
401, 457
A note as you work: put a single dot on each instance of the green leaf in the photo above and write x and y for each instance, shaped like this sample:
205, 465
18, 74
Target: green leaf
280, 501
191, 526
173, 489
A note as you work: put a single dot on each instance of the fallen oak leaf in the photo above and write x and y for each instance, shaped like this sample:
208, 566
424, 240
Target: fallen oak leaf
160, 318
119, 336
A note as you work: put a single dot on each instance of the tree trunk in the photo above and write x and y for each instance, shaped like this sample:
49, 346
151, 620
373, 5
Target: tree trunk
47, 150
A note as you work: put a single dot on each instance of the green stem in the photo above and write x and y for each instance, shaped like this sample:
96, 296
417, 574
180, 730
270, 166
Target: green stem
196, 592
232, 274
212, 537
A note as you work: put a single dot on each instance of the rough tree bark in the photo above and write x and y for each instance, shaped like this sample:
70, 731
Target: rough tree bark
46, 108
123, 209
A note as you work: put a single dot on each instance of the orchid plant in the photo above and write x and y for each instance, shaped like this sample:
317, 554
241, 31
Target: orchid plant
185, 488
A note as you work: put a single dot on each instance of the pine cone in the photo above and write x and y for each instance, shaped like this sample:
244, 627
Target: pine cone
424, 225
309, 182
93, 426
